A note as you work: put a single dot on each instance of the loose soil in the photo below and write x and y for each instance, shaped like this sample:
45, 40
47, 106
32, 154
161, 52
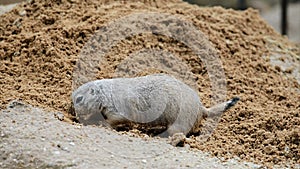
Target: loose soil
40, 42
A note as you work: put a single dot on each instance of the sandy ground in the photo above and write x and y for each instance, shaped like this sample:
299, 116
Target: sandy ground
6, 8
47, 37
32, 138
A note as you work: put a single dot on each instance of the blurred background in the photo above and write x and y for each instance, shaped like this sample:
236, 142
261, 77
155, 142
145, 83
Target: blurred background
282, 15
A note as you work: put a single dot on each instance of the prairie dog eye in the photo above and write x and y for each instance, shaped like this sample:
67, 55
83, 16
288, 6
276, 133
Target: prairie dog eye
92, 91
78, 99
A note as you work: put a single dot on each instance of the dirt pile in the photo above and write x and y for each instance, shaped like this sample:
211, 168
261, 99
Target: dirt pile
40, 42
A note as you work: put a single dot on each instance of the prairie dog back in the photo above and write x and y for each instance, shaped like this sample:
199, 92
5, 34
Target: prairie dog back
153, 100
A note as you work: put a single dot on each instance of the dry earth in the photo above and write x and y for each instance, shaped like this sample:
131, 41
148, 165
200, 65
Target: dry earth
32, 138
40, 42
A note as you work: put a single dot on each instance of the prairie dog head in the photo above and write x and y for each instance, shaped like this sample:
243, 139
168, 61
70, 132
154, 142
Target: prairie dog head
90, 103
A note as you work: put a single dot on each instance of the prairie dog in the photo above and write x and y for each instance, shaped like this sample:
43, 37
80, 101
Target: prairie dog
153, 100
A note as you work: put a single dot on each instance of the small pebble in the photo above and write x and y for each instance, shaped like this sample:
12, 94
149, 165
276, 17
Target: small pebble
22, 13
56, 152
59, 115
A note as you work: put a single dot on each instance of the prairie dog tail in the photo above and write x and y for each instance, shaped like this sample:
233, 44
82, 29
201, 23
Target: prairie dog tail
220, 108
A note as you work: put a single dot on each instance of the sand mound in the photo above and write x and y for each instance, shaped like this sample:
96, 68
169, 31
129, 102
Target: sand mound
40, 42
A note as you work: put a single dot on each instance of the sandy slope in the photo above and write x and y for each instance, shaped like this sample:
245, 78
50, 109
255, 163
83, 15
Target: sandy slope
41, 41
32, 138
